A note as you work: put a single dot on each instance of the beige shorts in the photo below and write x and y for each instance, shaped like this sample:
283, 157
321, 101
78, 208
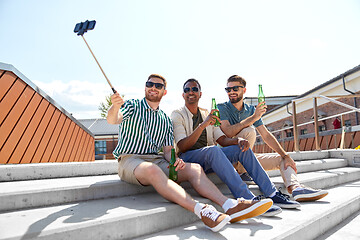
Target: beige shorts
128, 163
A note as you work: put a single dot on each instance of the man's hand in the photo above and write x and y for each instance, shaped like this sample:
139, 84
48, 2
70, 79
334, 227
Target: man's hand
116, 100
260, 110
244, 144
210, 119
179, 164
289, 162
114, 116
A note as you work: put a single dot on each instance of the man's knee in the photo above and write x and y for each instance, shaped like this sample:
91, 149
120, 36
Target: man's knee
193, 168
211, 153
249, 134
147, 172
191, 171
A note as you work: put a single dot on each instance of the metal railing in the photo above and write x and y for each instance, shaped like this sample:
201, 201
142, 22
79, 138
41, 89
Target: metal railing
316, 118
296, 126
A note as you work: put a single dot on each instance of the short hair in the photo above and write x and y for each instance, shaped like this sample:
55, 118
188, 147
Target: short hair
236, 78
192, 80
157, 76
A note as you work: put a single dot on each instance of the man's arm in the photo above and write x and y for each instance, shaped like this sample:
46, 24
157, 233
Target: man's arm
233, 130
271, 141
186, 143
243, 144
114, 116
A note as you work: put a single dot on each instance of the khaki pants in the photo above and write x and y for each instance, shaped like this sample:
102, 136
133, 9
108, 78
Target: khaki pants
269, 161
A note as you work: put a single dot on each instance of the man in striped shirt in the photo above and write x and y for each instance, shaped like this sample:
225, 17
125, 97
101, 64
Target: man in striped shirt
143, 130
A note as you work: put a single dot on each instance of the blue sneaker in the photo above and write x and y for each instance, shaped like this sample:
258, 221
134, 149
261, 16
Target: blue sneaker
284, 201
273, 210
304, 194
247, 178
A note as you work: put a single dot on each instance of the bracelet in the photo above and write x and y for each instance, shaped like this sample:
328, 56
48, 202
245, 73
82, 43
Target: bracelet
286, 155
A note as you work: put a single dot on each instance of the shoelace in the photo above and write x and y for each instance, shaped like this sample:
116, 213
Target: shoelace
283, 195
210, 212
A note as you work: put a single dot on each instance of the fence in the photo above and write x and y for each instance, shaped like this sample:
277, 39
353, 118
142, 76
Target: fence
345, 137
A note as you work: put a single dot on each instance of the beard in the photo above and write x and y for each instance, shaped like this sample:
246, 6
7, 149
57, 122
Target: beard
235, 100
151, 98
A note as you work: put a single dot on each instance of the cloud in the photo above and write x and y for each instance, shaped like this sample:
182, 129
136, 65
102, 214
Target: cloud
81, 98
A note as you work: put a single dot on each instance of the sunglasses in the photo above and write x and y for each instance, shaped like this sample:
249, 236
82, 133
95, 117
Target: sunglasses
157, 85
194, 89
234, 88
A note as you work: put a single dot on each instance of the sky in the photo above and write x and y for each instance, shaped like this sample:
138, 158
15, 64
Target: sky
287, 46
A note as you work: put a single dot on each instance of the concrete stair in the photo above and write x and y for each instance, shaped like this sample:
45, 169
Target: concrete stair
88, 201
311, 221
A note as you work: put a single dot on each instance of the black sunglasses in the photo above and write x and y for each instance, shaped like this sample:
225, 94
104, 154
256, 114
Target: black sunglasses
157, 85
194, 89
234, 88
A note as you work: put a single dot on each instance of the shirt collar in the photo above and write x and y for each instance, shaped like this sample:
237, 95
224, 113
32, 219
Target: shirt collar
188, 111
231, 106
147, 107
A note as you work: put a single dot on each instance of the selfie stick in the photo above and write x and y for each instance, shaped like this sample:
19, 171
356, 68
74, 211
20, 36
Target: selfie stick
82, 28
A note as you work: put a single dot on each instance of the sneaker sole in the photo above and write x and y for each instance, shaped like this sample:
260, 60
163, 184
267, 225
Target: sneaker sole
309, 197
288, 206
271, 214
221, 224
253, 211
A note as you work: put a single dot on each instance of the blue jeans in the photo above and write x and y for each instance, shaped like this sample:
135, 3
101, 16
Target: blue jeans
220, 160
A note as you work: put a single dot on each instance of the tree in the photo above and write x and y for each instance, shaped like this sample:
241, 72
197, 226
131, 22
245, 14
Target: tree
104, 106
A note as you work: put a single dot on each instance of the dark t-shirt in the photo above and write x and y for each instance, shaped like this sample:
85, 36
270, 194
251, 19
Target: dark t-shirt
202, 141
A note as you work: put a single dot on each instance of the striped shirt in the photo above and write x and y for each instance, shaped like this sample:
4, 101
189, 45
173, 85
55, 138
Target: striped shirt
143, 130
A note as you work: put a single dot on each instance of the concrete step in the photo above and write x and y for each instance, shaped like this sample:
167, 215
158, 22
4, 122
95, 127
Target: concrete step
46, 192
349, 229
315, 165
324, 178
34, 171
312, 220
112, 218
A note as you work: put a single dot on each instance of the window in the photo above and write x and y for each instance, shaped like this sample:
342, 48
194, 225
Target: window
348, 123
100, 147
303, 131
289, 134
322, 128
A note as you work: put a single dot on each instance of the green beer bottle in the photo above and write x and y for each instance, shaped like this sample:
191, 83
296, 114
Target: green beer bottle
261, 96
214, 106
172, 172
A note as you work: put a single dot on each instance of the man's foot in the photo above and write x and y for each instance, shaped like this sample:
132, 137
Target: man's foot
304, 194
213, 219
248, 209
284, 201
274, 210
247, 178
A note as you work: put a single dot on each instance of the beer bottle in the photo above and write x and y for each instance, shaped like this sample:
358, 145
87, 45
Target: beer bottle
172, 172
216, 113
261, 96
